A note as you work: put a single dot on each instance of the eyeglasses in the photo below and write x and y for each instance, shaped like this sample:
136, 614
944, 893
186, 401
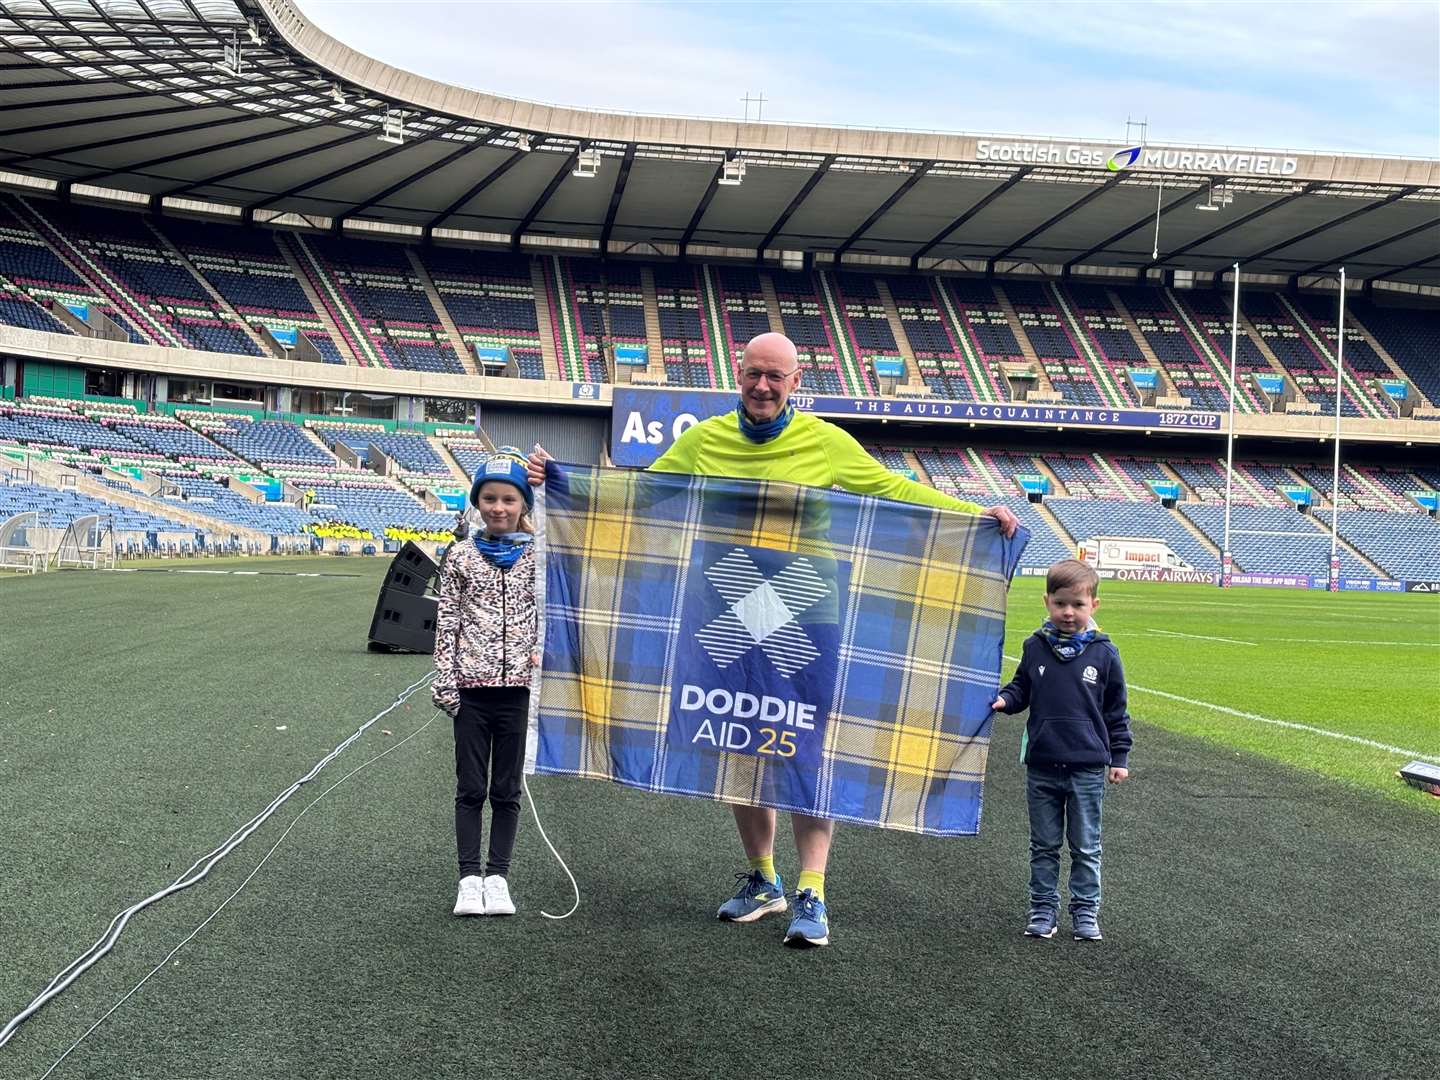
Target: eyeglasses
753, 375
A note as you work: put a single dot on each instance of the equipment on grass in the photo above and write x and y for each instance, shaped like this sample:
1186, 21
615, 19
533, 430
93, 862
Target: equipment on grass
1425, 777
404, 619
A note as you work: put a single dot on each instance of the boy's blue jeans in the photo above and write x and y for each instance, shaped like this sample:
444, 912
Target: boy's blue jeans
1065, 804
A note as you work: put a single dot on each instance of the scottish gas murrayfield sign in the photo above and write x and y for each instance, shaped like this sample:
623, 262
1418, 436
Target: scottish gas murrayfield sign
1227, 162
644, 423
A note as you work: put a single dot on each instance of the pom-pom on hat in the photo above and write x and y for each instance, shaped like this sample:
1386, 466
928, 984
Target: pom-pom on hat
504, 470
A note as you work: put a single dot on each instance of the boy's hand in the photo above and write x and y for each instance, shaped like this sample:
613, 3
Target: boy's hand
998, 705
535, 465
1117, 775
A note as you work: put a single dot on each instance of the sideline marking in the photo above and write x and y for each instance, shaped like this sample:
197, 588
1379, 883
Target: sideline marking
1356, 641
1146, 602
221, 573
1201, 637
1413, 754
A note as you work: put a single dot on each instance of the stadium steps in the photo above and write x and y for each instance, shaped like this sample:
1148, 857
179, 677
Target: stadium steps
1247, 327
897, 328
1175, 476
712, 318
1121, 479
1141, 342
545, 325
323, 311
1371, 487
912, 459
1353, 323
1208, 350
457, 342
969, 347
841, 333
1099, 365
219, 300
772, 303
654, 339
561, 306
1357, 393
1346, 546
1012, 316
1055, 526
1199, 534
1057, 486
443, 452
93, 275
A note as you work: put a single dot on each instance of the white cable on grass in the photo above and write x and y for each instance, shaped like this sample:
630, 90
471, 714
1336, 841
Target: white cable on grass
576, 906
197, 872
240, 888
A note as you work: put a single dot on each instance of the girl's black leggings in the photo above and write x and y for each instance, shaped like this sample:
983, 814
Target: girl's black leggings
489, 761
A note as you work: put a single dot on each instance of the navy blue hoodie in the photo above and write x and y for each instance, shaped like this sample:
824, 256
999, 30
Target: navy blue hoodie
1078, 712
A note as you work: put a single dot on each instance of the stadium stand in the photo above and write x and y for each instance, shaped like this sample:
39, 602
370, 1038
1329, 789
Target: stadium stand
802, 312
689, 360
1256, 552
1404, 545
983, 332
491, 298
1412, 338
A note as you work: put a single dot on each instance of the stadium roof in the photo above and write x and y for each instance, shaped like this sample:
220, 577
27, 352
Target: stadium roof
246, 105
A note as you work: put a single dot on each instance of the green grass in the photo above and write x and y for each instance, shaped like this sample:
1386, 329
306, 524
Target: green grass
1269, 893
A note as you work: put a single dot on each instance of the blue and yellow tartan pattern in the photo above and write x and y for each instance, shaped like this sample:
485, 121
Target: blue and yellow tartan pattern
917, 660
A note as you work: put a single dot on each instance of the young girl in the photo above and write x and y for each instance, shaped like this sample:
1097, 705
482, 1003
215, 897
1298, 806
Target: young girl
485, 638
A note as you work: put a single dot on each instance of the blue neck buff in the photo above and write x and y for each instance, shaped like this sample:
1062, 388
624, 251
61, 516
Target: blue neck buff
770, 429
502, 551
1067, 647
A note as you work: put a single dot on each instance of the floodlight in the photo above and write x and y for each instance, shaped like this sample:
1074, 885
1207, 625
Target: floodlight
252, 28
522, 142
338, 94
732, 173
392, 128
587, 164
232, 59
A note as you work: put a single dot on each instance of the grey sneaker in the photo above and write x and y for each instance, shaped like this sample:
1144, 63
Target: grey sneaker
1086, 926
497, 896
1042, 923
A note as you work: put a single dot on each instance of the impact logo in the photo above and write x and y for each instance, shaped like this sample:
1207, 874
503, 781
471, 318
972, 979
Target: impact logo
1123, 159
762, 612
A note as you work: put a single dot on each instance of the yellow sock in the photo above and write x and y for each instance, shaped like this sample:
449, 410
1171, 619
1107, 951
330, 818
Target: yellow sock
811, 879
765, 864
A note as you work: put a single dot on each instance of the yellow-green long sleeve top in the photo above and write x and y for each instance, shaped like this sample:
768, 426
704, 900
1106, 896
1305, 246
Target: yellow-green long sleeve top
809, 451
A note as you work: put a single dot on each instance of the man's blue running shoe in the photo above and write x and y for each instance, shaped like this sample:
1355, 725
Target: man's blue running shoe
756, 897
809, 925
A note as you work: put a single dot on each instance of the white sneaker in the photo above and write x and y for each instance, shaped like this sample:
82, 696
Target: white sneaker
471, 898
497, 896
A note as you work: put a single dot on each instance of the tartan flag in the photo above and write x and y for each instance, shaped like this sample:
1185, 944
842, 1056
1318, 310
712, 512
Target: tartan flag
770, 644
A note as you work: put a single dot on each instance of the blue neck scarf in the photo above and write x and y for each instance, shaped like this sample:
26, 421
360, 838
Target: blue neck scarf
502, 551
771, 429
1067, 647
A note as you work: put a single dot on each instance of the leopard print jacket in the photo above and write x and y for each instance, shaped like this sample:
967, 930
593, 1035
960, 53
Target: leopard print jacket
487, 625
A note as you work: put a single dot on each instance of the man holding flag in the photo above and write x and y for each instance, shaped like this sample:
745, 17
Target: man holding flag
766, 438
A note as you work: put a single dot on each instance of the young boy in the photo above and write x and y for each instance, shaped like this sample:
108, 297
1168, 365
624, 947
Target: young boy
1077, 737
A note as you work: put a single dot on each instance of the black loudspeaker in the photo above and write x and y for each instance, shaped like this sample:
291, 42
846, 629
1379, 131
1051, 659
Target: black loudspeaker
404, 619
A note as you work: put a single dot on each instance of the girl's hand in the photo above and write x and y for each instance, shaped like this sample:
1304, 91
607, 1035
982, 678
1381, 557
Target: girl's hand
535, 465
1117, 775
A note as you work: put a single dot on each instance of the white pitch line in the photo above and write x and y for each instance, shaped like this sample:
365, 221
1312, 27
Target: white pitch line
1356, 641
1149, 601
1200, 637
1412, 754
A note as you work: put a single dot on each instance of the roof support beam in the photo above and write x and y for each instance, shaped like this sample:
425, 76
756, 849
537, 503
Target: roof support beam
1173, 204
1000, 189
199, 151
1340, 260
1244, 220
884, 208
700, 208
475, 189
88, 99
97, 119
268, 163
1092, 194
405, 182
64, 152
1331, 224
800, 197
298, 188
615, 196
539, 204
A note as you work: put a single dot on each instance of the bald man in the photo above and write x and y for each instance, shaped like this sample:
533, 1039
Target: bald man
766, 438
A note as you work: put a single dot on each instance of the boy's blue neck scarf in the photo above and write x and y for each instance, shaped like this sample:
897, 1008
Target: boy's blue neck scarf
502, 551
770, 429
1067, 647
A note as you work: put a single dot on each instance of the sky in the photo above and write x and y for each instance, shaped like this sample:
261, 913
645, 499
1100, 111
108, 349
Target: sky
1342, 76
